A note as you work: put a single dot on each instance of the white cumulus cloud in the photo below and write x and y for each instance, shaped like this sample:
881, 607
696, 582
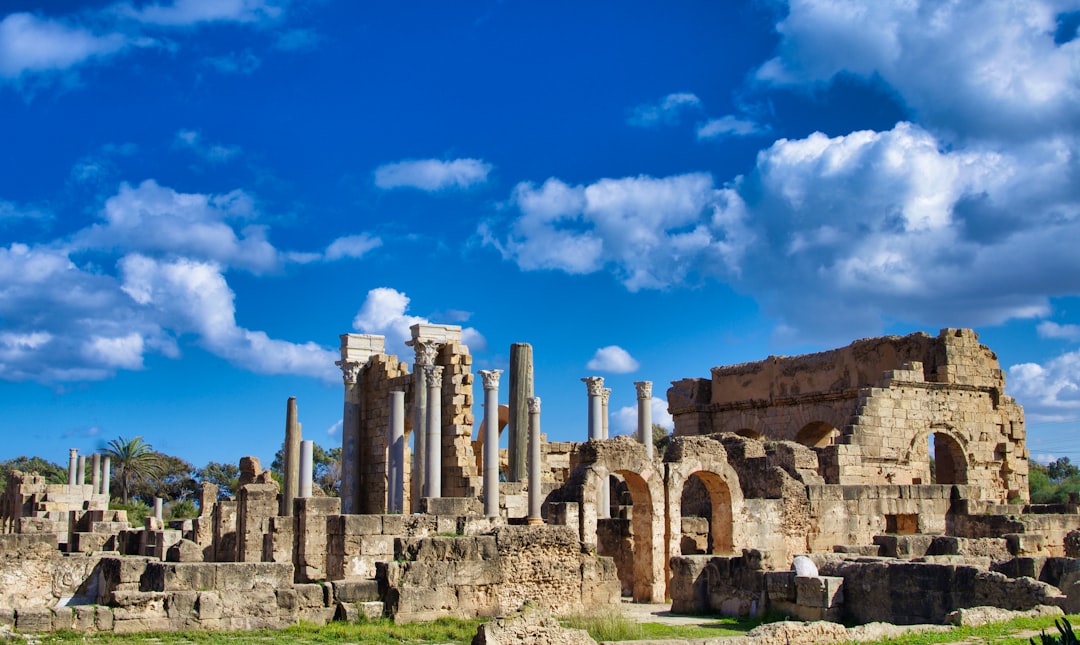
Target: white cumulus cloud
624, 420
384, 312
727, 126
432, 174
1051, 391
668, 111
652, 231
184, 13
612, 359
351, 246
33, 44
1050, 329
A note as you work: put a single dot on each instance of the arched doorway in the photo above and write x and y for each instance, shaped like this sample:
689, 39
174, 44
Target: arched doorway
948, 464
817, 435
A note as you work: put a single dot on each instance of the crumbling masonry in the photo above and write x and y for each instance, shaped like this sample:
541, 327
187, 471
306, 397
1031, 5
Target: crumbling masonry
889, 464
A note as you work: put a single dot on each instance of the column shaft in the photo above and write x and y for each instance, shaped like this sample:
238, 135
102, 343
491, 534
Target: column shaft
80, 471
535, 492
395, 497
158, 504
491, 441
433, 478
307, 467
95, 472
106, 476
644, 415
521, 388
73, 466
292, 459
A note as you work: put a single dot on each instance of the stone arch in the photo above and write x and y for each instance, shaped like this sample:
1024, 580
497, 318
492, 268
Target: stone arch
748, 433
706, 459
626, 458
817, 434
949, 453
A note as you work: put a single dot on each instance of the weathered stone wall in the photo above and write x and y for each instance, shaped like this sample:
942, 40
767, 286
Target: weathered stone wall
380, 375
871, 408
459, 473
855, 514
906, 593
494, 574
34, 574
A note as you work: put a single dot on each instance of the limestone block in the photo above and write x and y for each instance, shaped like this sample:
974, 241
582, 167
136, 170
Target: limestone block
821, 591
208, 605
7, 617
33, 620
63, 618
310, 595
180, 605
393, 524
371, 610
352, 591
103, 617
85, 618
363, 524
377, 545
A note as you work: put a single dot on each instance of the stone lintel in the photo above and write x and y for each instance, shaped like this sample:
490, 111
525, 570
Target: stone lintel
435, 333
360, 347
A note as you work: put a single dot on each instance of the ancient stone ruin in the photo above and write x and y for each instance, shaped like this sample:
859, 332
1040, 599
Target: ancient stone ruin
830, 486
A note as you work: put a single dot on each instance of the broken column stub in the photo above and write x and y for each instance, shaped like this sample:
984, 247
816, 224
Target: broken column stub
356, 349
521, 388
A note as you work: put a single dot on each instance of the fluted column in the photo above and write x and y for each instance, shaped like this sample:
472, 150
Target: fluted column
433, 476
95, 472
307, 467
491, 441
644, 415
535, 496
106, 476
73, 466
395, 498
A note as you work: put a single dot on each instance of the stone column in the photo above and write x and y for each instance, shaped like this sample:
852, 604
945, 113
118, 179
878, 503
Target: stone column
350, 434
73, 466
356, 350
644, 415
433, 475
491, 441
292, 459
106, 476
605, 396
595, 386
395, 501
535, 497
95, 472
80, 471
307, 467
521, 388
426, 351
158, 503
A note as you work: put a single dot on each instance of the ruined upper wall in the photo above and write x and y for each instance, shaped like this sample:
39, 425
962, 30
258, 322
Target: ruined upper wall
954, 357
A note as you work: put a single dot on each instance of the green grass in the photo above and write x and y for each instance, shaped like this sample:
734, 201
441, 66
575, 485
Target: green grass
1013, 632
382, 631
616, 627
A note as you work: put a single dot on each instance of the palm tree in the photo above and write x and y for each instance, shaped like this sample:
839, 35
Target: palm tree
131, 461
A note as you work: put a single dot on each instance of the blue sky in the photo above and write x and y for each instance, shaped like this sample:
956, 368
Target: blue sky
198, 196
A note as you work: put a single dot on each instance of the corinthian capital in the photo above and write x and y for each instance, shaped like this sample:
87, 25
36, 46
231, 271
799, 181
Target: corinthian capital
595, 384
426, 351
644, 389
534, 404
350, 371
433, 374
490, 378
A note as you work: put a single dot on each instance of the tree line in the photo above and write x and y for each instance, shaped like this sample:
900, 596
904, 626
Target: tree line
140, 473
